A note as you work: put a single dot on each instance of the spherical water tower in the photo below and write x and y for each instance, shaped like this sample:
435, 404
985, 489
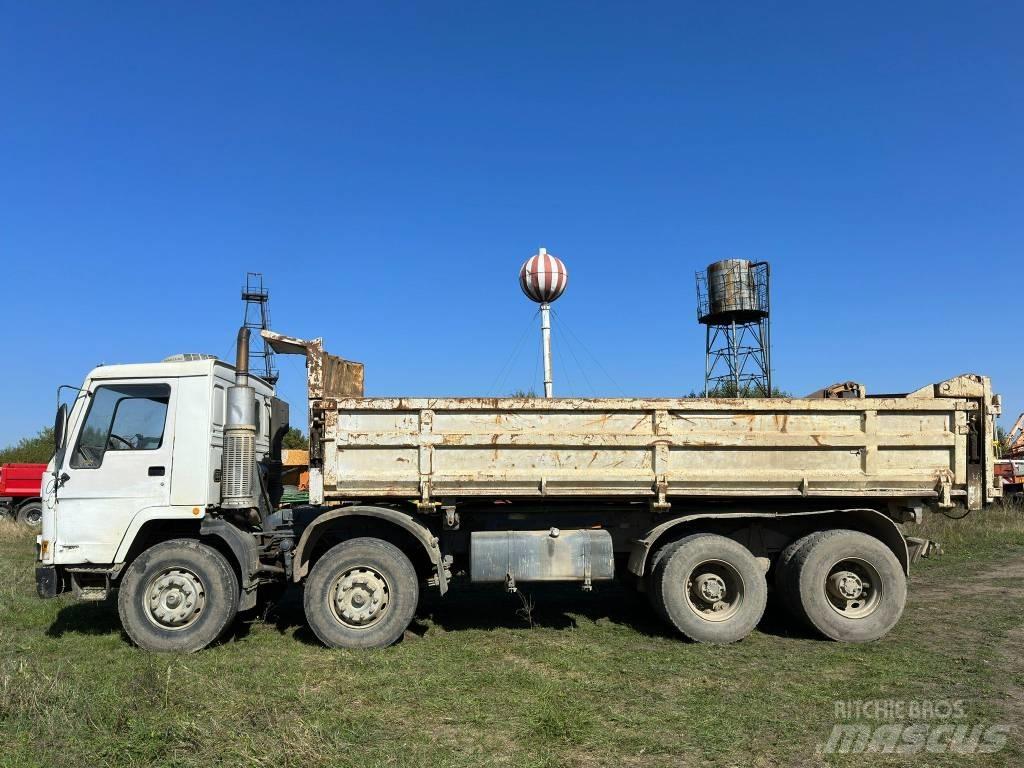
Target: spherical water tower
543, 278
733, 301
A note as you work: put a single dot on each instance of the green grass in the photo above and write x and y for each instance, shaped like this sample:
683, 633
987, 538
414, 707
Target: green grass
596, 681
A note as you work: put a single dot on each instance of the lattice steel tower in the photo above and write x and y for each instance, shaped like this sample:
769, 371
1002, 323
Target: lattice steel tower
257, 318
733, 301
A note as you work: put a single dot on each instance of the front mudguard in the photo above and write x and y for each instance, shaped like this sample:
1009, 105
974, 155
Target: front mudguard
50, 581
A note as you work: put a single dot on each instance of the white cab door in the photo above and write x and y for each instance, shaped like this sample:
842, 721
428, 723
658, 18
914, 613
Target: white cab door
117, 464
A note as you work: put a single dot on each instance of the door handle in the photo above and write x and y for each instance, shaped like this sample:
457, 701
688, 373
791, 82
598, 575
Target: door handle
156, 471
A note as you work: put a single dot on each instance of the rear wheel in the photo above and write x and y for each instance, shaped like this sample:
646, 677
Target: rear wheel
653, 574
786, 576
710, 588
361, 593
851, 586
31, 514
179, 595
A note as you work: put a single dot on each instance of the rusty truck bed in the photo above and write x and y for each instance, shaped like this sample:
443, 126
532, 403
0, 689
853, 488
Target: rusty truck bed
934, 443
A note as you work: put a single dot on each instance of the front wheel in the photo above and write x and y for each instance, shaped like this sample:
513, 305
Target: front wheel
179, 595
361, 593
710, 588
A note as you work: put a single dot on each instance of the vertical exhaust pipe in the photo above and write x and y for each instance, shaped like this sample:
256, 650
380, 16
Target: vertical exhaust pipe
238, 466
242, 358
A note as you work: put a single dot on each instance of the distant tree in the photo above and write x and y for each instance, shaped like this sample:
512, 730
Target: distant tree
728, 389
30, 450
523, 393
1002, 442
294, 440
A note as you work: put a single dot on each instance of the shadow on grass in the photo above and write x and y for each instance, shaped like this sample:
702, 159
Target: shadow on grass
101, 618
472, 606
86, 619
778, 622
548, 606
554, 606
466, 606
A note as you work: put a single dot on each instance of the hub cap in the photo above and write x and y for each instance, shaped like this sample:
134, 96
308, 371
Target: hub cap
853, 588
714, 590
360, 597
175, 599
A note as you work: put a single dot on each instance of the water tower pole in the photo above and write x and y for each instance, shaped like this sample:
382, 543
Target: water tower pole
707, 358
734, 359
766, 326
545, 333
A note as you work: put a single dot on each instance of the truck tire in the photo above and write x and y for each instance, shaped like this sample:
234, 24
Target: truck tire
180, 595
31, 514
786, 577
710, 588
653, 593
361, 593
851, 587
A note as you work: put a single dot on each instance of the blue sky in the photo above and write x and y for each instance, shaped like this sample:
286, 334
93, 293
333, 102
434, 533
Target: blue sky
389, 167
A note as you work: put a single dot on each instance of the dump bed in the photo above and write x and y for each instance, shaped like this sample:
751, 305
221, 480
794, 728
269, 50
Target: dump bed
936, 443
21, 480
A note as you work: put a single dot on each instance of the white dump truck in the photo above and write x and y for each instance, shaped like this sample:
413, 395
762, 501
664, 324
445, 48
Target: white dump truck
164, 488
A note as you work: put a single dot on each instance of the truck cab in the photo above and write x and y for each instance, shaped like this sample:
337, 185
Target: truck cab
142, 444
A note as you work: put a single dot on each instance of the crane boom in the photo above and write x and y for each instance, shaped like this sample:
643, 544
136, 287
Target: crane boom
1015, 439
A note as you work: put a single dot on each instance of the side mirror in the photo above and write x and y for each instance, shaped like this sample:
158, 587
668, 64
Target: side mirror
60, 427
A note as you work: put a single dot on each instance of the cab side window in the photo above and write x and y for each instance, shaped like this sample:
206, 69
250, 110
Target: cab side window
122, 417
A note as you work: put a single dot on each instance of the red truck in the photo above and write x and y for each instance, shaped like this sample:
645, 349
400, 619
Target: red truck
19, 493
1011, 473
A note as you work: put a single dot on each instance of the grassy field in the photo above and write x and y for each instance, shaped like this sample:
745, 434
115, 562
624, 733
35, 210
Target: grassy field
595, 681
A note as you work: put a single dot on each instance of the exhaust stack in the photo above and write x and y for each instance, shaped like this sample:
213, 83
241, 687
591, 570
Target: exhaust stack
238, 466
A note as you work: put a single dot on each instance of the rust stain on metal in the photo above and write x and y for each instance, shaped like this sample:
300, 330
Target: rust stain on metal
328, 376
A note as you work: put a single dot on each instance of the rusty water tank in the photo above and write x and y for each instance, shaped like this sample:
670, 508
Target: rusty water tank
734, 293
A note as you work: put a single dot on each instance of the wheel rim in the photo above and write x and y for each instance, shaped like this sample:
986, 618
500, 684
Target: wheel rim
360, 597
714, 590
34, 516
853, 588
175, 599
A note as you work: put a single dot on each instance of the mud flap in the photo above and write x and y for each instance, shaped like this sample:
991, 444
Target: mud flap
49, 583
918, 548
